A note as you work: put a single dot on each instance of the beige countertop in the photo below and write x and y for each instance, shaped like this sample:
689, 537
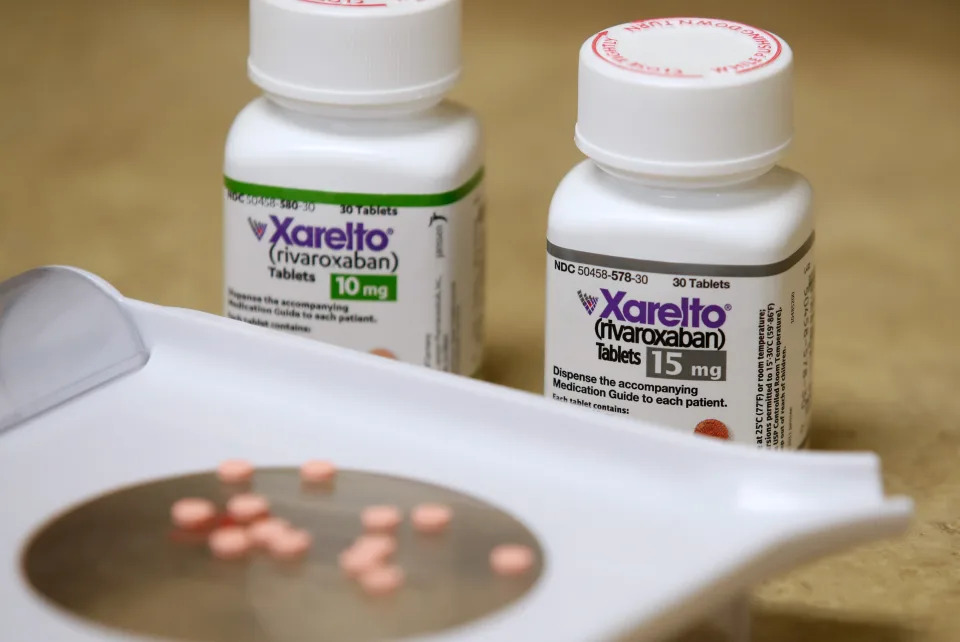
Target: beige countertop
112, 121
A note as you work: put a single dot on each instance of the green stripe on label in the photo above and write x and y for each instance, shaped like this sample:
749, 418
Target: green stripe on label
351, 198
363, 287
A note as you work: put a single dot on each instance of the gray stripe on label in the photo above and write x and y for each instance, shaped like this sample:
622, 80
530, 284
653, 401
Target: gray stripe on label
684, 269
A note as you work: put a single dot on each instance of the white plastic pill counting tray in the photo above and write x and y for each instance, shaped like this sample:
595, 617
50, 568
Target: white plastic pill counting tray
109, 407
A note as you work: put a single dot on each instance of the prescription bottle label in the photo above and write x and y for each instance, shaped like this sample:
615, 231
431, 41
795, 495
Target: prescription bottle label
717, 350
401, 276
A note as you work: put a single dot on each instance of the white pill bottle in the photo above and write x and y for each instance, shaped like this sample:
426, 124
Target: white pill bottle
680, 271
353, 198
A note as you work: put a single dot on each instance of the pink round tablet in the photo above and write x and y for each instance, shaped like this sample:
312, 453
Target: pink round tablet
379, 545
511, 559
235, 471
230, 543
192, 512
381, 519
263, 531
357, 561
431, 518
382, 581
317, 472
291, 544
247, 507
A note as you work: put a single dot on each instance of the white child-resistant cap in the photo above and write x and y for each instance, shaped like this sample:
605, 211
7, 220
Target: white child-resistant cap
685, 97
355, 52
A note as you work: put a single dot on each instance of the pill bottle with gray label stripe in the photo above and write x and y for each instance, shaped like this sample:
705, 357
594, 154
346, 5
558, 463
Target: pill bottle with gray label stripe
680, 273
354, 193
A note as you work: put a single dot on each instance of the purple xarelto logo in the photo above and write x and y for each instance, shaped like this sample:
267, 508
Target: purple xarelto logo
258, 228
589, 302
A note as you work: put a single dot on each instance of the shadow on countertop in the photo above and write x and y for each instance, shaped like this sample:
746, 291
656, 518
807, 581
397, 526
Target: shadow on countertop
774, 625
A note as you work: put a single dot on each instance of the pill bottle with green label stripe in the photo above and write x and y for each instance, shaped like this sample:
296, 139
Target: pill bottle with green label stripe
353, 191
680, 272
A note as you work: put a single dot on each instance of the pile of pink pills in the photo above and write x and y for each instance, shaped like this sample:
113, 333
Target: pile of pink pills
368, 560
246, 526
